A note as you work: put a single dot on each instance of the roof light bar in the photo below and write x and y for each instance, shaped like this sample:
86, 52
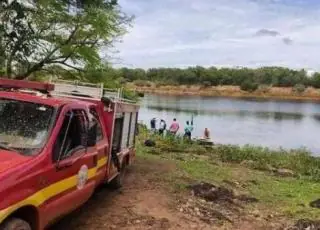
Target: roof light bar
21, 84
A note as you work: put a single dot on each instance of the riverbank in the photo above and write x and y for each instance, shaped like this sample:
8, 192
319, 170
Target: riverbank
280, 188
178, 185
284, 93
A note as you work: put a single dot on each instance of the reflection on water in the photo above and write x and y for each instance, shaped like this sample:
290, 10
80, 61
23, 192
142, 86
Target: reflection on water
289, 124
316, 117
237, 113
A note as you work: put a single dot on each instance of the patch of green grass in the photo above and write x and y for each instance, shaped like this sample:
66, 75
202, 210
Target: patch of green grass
300, 160
288, 196
205, 171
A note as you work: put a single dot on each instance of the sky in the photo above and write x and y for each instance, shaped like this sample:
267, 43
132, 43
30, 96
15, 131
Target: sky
222, 33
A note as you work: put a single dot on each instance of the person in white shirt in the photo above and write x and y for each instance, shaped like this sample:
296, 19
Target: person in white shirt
163, 127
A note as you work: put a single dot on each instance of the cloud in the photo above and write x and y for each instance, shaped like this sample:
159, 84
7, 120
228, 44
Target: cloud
266, 32
287, 41
180, 33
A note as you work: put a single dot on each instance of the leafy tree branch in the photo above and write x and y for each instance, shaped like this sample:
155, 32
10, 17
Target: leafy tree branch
35, 35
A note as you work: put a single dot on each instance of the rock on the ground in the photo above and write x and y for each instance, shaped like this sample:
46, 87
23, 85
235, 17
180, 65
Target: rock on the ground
315, 204
247, 199
285, 172
271, 168
306, 224
232, 183
150, 143
210, 192
214, 204
248, 163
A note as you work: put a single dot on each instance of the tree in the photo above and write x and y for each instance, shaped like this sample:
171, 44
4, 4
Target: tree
247, 78
249, 86
315, 81
38, 34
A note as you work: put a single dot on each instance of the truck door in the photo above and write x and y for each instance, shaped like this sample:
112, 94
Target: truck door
102, 144
74, 164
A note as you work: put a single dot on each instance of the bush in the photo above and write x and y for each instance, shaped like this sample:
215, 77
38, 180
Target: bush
299, 88
264, 88
130, 95
249, 86
140, 94
142, 83
159, 84
172, 83
300, 160
206, 84
123, 81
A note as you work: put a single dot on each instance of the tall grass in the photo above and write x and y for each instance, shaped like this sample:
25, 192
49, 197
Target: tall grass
300, 161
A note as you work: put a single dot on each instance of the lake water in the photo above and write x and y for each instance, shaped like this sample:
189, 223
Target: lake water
271, 123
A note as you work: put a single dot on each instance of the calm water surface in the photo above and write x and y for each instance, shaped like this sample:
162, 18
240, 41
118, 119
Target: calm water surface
270, 123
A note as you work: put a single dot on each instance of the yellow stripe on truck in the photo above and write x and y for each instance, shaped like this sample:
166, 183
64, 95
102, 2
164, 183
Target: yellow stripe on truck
51, 191
102, 162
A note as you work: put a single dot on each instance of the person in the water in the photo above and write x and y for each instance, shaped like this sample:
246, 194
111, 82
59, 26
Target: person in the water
206, 133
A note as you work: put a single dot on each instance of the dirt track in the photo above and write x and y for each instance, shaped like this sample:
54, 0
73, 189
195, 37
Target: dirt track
143, 203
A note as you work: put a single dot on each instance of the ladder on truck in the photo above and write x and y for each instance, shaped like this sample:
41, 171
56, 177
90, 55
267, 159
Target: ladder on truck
78, 89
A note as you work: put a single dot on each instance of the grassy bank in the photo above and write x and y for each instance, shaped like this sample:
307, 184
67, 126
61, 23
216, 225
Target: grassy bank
286, 93
256, 171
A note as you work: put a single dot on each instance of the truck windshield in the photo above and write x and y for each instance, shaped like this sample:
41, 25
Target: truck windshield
24, 126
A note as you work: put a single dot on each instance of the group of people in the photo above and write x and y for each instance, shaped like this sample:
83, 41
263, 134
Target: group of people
174, 128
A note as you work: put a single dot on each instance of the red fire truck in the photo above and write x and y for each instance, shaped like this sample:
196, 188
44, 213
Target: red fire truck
58, 142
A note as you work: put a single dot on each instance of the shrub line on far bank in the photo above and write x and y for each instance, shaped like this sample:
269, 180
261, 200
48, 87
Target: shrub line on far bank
298, 92
275, 76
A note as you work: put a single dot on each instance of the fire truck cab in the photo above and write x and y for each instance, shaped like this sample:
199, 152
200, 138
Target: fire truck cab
58, 142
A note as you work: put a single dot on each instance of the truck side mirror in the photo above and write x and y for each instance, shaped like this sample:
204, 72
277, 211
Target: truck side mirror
92, 135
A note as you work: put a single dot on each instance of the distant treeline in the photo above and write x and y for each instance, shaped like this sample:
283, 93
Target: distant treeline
245, 77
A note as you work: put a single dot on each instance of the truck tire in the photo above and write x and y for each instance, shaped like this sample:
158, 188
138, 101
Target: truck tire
117, 182
15, 224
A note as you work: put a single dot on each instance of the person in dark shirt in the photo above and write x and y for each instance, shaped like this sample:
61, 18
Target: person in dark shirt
153, 124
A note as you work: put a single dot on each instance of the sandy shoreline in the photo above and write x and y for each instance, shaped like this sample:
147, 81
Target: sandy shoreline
279, 93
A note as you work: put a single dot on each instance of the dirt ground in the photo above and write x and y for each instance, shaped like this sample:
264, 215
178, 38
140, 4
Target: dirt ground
143, 203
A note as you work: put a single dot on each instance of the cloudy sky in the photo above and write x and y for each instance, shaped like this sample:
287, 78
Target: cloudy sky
180, 33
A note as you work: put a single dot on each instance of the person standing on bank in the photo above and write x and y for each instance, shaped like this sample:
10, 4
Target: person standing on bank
153, 124
163, 127
188, 130
174, 127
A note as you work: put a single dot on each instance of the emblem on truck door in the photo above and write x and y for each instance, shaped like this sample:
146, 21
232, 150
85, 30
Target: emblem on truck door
82, 176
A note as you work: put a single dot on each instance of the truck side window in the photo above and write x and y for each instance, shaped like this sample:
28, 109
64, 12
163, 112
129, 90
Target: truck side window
117, 134
72, 135
94, 119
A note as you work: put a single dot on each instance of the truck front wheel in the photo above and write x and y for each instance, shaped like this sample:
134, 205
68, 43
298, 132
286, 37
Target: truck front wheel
15, 224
